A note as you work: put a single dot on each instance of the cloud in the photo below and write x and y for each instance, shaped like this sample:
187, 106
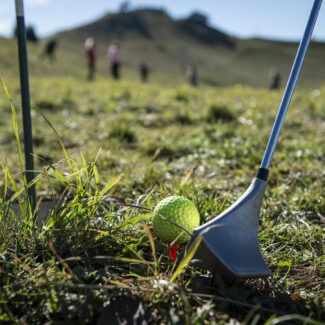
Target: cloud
6, 27
36, 2
6, 8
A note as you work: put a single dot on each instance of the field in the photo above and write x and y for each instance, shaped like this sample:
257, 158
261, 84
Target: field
125, 146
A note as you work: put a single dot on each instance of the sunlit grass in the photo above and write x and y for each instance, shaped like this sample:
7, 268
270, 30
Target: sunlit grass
116, 150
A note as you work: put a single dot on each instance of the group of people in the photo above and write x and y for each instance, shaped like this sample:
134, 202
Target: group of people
114, 60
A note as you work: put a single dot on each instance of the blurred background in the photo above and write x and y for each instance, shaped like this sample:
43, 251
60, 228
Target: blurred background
223, 42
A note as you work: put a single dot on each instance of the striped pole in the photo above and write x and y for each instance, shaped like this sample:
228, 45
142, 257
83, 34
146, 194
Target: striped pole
25, 99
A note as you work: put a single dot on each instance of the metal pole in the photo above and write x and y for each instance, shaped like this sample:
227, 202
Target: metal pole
291, 85
25, 99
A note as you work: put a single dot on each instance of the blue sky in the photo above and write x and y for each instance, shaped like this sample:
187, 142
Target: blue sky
276, 19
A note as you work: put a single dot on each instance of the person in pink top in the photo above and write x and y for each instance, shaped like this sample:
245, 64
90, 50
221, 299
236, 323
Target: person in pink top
114, 59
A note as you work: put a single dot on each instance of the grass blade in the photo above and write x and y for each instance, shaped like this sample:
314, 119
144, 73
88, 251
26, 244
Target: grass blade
152, 244
187, 177
291, 318
15, 127
133, 221
109, 186
189, 255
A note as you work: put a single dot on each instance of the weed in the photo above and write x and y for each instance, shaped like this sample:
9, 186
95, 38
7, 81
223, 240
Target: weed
183, 118
123, 133
182, 94
219, 112
47, 103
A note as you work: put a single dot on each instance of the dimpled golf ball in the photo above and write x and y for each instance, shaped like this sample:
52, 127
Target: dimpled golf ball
179, 210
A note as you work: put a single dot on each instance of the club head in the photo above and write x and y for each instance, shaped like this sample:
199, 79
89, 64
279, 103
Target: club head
230, 243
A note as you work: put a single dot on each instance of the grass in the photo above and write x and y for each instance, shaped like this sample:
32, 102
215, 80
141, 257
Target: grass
110, 152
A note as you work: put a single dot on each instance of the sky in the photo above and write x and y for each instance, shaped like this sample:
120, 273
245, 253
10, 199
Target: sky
273, 19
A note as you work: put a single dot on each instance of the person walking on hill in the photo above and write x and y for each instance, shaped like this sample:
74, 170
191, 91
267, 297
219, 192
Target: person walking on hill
275, 80
90, 57
191, 75
114, 59
49, 49
144, 71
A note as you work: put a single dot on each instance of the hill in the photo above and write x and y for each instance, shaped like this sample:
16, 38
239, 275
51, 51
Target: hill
168, 45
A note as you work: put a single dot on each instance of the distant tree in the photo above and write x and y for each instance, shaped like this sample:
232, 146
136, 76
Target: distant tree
163, 10
31, 35
199, 18
125, 7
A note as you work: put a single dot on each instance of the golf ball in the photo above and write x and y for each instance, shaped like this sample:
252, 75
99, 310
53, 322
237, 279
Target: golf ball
178, 210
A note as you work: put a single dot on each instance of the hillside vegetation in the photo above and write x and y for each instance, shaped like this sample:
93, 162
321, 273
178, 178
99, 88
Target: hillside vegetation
167, 45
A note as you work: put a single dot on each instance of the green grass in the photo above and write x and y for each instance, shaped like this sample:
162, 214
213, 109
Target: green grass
125, 147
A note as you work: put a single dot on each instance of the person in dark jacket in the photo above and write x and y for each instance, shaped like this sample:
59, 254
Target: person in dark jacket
50, 48
275, 80
144, 71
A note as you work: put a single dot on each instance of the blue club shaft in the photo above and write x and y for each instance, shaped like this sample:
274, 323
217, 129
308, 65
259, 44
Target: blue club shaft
291, 85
